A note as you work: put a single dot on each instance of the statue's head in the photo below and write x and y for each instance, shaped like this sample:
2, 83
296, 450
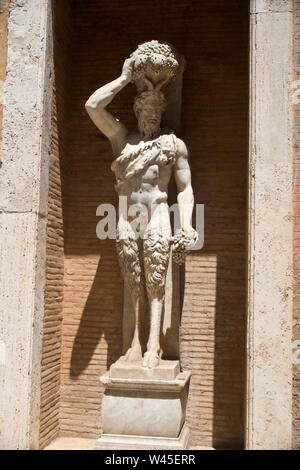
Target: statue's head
148, 108
157, 64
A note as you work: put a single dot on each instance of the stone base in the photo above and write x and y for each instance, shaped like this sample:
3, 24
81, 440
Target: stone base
127, 442
144, 402
167, 370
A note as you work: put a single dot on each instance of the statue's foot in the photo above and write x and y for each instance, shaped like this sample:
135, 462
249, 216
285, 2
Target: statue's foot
151, 360
133, 354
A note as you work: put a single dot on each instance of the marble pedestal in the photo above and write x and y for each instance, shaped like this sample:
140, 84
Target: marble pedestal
144, 408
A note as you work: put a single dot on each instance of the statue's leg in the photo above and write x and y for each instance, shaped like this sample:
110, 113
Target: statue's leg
156, 259
129, 252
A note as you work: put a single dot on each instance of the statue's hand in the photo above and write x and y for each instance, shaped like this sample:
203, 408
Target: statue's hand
182, 239
191, 234
128, 69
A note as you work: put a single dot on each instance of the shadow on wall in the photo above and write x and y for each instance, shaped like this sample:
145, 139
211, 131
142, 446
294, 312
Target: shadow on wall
95, 323
229, 365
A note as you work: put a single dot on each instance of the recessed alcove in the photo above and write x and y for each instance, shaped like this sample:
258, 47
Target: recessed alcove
83, 312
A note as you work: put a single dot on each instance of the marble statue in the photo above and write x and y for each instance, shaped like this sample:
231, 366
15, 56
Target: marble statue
144, 162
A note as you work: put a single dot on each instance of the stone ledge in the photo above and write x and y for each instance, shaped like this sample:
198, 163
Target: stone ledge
127, 442
167, 370
79, 443
155, 384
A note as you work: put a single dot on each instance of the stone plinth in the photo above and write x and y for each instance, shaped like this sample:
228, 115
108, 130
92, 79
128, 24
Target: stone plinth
144, 408
167, 370
127, 442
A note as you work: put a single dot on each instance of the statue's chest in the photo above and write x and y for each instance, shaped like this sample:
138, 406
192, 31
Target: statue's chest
146, 162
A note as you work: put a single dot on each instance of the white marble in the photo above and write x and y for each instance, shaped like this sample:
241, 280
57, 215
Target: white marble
127, 442
144, 162
166, 370
144, 402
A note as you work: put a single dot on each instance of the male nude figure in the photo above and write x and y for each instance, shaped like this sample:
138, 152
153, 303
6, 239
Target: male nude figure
143, 167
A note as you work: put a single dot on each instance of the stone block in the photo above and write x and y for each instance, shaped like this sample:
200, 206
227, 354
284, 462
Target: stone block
167, 370
144, 403
123, 442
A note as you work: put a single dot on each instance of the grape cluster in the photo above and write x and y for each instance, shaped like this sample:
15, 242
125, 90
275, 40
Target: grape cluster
155, 57
155, 47
179, 243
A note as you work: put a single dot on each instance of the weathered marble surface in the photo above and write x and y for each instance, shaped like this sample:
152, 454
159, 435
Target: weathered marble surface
127, 442
145, 396
167, 370
145, 160
144, 402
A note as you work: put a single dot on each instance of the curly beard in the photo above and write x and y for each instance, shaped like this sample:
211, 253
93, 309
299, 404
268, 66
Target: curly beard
148, 129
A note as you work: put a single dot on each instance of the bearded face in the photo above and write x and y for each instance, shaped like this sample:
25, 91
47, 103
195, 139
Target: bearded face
149, 119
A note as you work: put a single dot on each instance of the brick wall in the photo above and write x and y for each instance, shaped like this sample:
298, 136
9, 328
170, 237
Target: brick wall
215, 110
296, 328
51, 353
213, 35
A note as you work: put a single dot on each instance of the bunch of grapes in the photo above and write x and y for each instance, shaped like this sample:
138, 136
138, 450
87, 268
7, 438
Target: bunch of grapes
155, 57
179, 243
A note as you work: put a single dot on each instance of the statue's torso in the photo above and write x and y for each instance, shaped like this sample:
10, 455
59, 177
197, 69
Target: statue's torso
143, 170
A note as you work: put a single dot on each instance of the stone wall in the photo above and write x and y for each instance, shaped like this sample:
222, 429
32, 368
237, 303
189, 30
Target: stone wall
23, 201
4, 5
270, 227
214, 38
296, 329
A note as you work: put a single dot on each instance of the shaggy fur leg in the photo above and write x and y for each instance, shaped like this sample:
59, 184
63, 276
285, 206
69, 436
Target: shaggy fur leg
131, 266
156, 259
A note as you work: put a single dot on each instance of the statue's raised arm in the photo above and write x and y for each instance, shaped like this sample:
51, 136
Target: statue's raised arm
110, 126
